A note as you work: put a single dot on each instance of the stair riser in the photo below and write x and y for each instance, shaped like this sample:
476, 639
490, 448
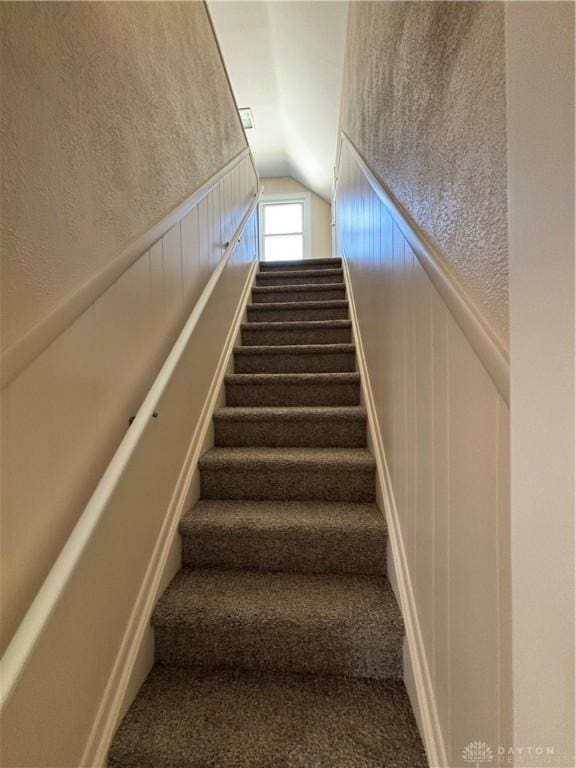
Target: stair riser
296, 551
333, 294
296, 266
280, 394
263, 337
301, 433
275, 647
288, 484
296, 315
269, 278
333, 362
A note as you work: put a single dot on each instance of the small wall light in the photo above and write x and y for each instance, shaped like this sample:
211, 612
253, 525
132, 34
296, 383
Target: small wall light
247, 118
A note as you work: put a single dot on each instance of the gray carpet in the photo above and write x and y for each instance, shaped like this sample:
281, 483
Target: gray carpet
343, 427
293, 536
297, 311
238, 719
279, 643
310, 292
297, 277
291, 332
263, 389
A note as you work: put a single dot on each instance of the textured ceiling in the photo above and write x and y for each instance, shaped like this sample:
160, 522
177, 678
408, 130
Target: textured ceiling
285, 61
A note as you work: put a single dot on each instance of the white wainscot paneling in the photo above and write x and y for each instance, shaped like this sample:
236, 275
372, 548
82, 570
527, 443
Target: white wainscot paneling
65, 413
63, 418
444, 427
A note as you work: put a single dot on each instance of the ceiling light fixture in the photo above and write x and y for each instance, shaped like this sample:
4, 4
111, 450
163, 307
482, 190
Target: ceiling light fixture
247, 117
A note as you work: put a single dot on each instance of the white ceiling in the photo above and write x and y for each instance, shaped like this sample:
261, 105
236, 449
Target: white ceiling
285, 61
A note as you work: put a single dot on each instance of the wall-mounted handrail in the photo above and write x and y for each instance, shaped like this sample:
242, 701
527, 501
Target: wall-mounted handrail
30, 629
475, 327
25, 349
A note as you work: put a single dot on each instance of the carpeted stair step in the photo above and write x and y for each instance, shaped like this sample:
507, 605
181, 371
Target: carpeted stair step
294, 536
324, 623
194, 718
305, 358
319, 427
292, 389
299, 264
300, 277
293, 333
297, 311
288, 474
276, 293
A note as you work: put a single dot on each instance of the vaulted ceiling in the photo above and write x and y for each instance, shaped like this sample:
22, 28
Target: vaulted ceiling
285, 62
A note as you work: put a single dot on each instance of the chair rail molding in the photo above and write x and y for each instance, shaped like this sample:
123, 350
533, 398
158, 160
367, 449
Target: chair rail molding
435, 381
477, 330
26, 637
29, 346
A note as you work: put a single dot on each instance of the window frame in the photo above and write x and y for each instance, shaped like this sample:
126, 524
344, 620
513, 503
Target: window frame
304, 198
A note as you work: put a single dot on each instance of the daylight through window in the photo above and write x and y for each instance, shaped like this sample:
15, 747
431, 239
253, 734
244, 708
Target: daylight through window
283, 235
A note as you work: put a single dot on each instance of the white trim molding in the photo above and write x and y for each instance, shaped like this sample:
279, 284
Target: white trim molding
23, 351
425, 704
477, 330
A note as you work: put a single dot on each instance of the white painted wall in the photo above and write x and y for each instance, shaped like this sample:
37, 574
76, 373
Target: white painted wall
285, 61
320, 213
540, 94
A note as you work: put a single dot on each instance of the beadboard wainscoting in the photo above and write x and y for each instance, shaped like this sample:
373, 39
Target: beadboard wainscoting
90, 504
437, 402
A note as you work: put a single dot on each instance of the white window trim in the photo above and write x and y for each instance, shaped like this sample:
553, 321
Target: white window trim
288, 197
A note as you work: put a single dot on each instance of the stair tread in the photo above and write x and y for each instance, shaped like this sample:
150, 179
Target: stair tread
295, 325
296, 288
293, 349
293, 378
285, 305
299, 262
287, 458
275, 274
281, 516
297, 537
240, 719
289, 413
247, 598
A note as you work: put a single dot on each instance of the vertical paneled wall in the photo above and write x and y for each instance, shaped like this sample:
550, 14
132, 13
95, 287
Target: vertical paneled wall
445, 430
64, 415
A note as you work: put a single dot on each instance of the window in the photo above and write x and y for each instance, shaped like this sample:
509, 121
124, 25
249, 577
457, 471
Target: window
282, 227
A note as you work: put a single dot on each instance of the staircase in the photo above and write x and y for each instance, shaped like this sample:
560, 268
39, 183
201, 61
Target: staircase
278, 644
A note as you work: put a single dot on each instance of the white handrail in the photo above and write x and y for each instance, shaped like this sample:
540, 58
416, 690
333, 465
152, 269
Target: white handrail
25, 349
480, 335
30, 629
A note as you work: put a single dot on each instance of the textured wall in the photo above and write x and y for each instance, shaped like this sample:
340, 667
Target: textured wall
424, 101
320, 213
112, 113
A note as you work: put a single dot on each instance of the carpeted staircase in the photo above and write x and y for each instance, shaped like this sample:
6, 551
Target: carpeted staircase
278, 644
